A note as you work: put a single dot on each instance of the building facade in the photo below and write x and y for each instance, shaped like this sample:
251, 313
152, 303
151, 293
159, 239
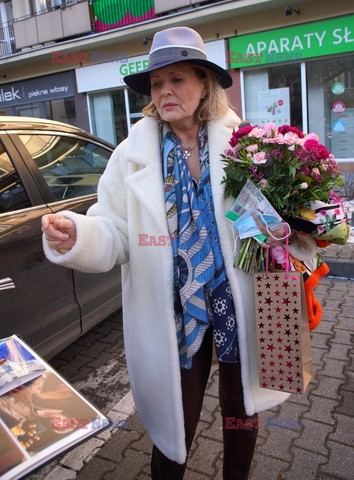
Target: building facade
290, 64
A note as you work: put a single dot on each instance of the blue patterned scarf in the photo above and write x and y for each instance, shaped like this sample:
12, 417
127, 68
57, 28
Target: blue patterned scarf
201, 289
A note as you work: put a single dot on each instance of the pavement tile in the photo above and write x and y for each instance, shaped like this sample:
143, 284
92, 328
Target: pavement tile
328, 387
342, 336
345, 323
115, 448
319, 340
333, 368
292, 412
143, 444
266, 468
313, 436
201, 460
214, 430
75, 458
71, 369
347, 402
96, 469
278, 443
60, 473
349, 384
304, 465
130, 467
103, 358
317, 355
89, 338
346, 311
71, 351
321, 410
325, 327
338, 351
107, 326
344, 432
210, 408
340, 461
96, 349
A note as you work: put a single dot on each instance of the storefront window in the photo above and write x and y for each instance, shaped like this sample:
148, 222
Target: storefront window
136, 104
61, 110
273, 95
330, 85
108, 116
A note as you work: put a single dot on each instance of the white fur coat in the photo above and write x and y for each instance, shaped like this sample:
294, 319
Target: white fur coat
130, 210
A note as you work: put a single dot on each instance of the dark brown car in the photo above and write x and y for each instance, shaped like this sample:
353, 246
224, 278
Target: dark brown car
46, 167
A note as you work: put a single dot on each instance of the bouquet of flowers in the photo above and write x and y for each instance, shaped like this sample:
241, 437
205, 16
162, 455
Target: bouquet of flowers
296, 173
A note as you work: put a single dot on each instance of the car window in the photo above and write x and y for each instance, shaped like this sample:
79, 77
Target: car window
12, 193
70, 166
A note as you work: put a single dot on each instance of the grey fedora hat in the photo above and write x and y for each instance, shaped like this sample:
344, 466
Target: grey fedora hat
174, 45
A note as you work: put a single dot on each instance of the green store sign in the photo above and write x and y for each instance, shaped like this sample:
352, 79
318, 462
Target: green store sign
309, 40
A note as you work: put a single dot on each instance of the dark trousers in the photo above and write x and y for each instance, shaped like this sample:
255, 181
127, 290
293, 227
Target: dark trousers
239, 444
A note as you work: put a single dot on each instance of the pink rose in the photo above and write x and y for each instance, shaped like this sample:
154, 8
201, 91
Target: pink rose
304, 185
320, 229
263, 183
260, 157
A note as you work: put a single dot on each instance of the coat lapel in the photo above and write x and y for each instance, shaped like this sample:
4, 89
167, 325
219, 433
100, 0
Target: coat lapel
145, 181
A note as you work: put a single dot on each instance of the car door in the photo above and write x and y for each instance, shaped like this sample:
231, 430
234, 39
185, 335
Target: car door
71, 167
37, 298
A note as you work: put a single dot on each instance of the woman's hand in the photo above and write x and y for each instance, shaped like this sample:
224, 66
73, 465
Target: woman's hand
276, 237
59, 231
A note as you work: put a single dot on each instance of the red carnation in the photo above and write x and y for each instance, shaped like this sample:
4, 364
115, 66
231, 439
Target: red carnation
287, 128
238, 134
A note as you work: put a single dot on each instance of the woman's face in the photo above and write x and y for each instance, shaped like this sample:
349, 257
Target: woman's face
176, 91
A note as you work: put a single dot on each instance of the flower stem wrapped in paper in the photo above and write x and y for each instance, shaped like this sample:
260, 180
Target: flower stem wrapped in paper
297, 175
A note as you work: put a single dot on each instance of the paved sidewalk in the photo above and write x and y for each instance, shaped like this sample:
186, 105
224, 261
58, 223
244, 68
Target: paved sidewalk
321, 449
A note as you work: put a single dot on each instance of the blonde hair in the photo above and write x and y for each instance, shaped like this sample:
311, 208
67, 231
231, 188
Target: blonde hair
215, 104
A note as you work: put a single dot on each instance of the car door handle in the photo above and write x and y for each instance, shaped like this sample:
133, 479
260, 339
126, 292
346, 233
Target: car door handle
6, 283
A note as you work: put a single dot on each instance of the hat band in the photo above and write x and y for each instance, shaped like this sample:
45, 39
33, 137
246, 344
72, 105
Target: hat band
175, 54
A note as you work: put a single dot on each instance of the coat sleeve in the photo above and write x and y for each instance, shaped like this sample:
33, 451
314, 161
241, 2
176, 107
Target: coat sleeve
102, 234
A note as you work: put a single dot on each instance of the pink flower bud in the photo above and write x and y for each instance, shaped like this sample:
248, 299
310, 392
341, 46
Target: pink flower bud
304, 185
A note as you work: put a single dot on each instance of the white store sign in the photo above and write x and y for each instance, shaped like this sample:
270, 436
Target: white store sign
104, 76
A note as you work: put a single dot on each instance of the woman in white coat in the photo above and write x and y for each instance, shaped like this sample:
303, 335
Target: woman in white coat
160, 213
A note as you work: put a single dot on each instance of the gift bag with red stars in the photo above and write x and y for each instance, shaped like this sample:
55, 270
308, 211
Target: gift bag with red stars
283, 337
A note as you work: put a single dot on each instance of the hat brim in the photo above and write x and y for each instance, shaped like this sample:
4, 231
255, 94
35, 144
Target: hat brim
140, 82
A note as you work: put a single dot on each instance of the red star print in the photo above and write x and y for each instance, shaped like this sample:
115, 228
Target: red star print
262, 355
295, 293
281, 371
262, 340
288, 332
295, 310
289, 364
261, 325
277, 293
298, 374
296, 326
281, 387
271, 364
278, 325
289, 379
260, 310
264, 370
279, 340
286, 301
268, 285
270, 332
297, 358
270, 347
276, 277
298, 389
278, 309
288, 348
259, 293
285, 284
268, 301
269, 317
280, 356
264, 385
297, 342
259, 278
272, 378
287, 317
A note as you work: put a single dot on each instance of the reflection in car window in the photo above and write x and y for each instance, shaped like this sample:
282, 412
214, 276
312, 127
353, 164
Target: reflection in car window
12, 193
70, 166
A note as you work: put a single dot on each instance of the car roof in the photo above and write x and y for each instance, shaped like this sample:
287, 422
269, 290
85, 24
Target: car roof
32, 123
